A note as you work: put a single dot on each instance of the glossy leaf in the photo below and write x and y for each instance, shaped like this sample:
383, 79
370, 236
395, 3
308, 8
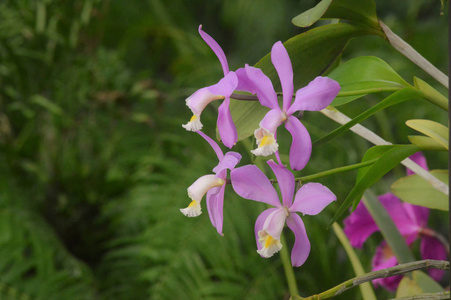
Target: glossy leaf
364, 75
390, 157
431, 94
426, 143
416, 190
361, 12
436, 131
405, 94
311, 54
366, 289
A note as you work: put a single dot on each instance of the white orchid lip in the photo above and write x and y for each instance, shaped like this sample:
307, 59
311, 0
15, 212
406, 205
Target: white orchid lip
266, 142
194, 124
270, 245
193, 209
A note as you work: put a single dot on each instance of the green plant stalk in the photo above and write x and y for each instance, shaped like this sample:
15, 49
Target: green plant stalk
288, 268
397, 270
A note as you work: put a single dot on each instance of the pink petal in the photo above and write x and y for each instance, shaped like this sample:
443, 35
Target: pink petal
418, 214
272, 120
301, 146
225, 86
397, 212
229, 161
286, 182
420, 160
301, 248
359, 225
275, 222
432, 248
317, 95
250, 183
226, 127
263, 87
312, 198
213, 144
244, 83
384, 259
215, 207
259, 223
216, 49
281, 61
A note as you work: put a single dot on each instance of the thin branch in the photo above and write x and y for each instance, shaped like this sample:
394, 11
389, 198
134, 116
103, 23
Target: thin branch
398, 270
407, 50
367, 134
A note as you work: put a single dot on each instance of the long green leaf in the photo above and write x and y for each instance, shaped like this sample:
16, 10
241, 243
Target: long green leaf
405, 94
365, 288
363, 75
431, 94
369, 175
426, 143
415, 190
311, 54
435, 130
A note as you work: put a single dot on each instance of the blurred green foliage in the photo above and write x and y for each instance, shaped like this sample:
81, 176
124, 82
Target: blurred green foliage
95, 164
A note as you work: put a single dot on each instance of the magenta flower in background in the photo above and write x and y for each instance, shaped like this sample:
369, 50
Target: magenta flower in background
221, 90
317, 95
213, 185
411, 221
250, 183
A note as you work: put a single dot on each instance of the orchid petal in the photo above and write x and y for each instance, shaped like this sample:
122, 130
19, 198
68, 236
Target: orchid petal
272, 120
225, 86
383, 259
419, 159
226, 127
213, 145
359, 225
229, 161
244, 83
301, 146
200, 187
250, 183
259, 224
285, 180
397, 212
216, 49
275, 222
281, 61
301, 248
317, 95
263, 87
418, 214
312, 198
432, 248
215, 207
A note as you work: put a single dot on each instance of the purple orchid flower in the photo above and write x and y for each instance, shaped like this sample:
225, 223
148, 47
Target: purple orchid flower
221, 90
213, 185
411, 221
250, 183
317, 95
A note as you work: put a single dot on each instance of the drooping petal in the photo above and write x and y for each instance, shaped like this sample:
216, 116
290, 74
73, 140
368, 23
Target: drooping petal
317, 95
301, 248
263, 87
226, 127
244, 83
285, 180
266, 244
383, 259
312, 198
259, 224
359, 225
420, 160
213, 145
301, 146
229, 161
432, 248
216, 49
225, 86
250, 183
215, 207
281, 61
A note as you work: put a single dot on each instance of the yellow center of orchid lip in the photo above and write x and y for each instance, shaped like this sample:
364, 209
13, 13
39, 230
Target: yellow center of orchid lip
193, 203
193, 118
269, 241
267, 140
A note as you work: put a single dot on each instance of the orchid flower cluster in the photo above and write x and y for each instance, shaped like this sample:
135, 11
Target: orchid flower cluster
249, 181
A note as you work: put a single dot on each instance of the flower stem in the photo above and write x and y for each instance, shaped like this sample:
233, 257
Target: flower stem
397, 270
288, 268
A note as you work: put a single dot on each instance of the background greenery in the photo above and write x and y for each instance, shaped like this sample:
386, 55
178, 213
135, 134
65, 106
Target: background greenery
94, 163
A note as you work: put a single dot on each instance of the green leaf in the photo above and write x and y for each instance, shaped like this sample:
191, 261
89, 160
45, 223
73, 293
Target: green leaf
365, 288
359, 12
431, 94
311, 54
426, 143
47, 104
408, 287
388, 228
416, 190
436, 131
363, 75
405, 94
426, 283
368, 176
